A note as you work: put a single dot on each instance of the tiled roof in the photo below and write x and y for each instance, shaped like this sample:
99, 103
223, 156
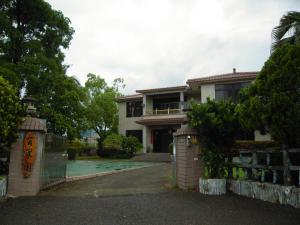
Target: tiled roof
237, 76
33, 124
165, 89
129, 97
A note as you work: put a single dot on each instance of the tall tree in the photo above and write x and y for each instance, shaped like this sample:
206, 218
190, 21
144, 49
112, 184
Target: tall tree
288, 30
10, 118
32, 40
272, 102
31, 29
101, 107
60, 102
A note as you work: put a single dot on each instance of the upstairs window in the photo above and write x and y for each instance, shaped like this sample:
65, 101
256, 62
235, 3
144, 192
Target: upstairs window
232, 91
134, 109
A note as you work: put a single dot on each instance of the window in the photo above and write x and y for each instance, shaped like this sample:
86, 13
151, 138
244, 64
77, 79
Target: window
232, 91
134, 109
135, 133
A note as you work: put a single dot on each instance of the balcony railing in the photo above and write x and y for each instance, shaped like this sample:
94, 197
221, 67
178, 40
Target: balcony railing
168, 111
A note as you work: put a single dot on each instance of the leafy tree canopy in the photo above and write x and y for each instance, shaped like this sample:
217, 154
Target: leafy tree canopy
61, 103
31, 29
32, 40
218, 126
10, 115
272, 102
101, 107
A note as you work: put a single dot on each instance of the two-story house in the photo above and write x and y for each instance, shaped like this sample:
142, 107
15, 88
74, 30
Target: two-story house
152, 115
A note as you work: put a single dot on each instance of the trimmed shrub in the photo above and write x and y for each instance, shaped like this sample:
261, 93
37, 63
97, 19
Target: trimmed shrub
131, 144
113, 142
80, 149
119, 146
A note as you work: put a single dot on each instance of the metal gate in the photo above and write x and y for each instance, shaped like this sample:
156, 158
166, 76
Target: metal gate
54, 161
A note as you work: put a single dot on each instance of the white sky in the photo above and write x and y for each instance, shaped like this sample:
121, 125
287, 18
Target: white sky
159, 43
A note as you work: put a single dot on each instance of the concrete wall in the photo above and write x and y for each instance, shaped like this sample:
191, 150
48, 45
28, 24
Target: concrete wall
207, 91
286, 195
127, 123
17, 184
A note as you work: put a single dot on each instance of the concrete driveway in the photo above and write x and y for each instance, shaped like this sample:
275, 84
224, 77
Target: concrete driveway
142, 196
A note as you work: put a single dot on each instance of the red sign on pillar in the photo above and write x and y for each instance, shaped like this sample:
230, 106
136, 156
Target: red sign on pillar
29, 154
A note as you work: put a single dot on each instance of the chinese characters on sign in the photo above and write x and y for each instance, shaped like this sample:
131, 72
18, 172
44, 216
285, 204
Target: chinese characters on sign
29, 154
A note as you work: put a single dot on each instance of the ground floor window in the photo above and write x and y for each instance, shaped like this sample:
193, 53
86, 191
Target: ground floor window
135, 133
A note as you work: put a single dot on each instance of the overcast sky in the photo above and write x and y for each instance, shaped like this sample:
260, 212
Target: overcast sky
159, 43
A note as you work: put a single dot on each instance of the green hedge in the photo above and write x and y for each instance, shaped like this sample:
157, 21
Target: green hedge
113, 142
119, 146
78, 148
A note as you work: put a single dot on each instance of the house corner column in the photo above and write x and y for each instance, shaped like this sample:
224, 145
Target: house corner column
181, 101
144, 104
145, 135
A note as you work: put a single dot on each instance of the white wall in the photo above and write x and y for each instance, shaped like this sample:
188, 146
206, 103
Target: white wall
127, 123
207, 90
261, 137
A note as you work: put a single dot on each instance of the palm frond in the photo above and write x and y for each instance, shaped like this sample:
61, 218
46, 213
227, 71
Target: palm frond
280, 43
289, 26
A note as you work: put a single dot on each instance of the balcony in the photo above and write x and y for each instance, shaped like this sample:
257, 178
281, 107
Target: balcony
174, 108
158, 112
166, 113
164, 108
162, 119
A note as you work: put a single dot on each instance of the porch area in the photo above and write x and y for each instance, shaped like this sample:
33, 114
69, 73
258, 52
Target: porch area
158, 132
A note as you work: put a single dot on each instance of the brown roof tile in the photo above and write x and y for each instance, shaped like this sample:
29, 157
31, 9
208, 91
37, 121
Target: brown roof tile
129, 97
165, 89
238, 76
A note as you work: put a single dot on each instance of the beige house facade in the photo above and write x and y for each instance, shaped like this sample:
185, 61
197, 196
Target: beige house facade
153, 115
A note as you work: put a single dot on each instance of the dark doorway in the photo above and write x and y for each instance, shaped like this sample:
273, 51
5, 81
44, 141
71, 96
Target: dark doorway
161, 140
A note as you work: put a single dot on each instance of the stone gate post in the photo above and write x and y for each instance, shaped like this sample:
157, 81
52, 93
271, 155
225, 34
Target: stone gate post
188, 161
25, 165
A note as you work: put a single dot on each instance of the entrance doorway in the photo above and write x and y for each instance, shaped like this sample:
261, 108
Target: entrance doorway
162, 138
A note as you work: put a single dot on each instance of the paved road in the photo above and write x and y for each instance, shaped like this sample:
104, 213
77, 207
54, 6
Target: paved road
140, 197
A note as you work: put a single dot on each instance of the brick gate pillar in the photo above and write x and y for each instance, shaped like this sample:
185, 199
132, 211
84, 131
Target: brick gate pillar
188, 162
25, 165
